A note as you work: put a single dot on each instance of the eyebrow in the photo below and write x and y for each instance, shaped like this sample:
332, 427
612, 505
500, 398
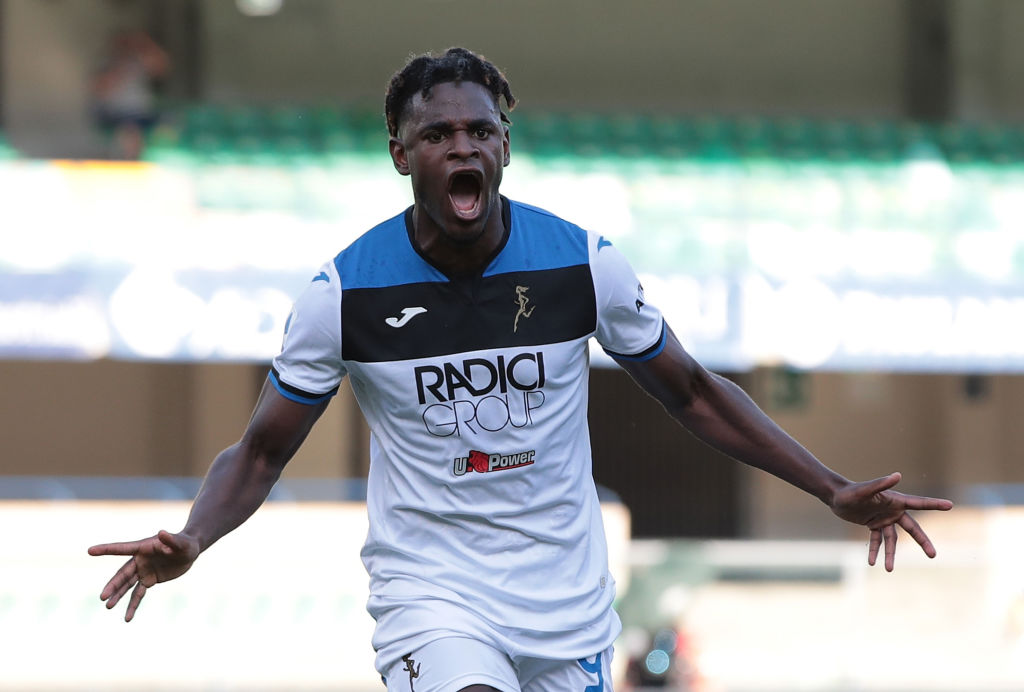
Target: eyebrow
446, 127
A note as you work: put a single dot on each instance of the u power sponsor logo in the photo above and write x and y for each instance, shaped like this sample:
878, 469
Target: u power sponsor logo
479, 394
482, 462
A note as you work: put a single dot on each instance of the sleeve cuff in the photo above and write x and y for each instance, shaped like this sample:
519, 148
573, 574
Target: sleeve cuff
295, 394
647, 353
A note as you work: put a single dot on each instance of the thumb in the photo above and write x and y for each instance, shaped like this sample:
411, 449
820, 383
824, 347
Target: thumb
878, 485
172, 541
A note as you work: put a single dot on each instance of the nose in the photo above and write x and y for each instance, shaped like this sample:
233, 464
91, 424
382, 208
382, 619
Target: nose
463, 146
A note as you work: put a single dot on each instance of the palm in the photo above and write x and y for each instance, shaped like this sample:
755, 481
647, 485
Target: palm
152, 560
875, 505
862, 505
155, 566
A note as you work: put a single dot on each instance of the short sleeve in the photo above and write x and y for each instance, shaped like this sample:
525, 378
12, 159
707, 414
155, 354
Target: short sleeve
309, 367
628, 327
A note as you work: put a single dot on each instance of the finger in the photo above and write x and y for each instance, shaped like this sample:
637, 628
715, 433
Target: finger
911, 526
919, 502
119, 593
116, 597
133, 603
125, 579
129, 548
889, 534
126, 575
873, 546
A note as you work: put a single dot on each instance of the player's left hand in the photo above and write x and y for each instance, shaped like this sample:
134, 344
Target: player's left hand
875, 505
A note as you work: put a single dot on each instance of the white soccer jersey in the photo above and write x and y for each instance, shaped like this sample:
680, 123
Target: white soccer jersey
475, 390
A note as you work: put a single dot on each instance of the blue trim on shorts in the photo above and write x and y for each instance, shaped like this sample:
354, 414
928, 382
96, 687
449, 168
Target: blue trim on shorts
594, 667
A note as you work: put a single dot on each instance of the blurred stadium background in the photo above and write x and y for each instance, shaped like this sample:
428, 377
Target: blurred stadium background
825, 197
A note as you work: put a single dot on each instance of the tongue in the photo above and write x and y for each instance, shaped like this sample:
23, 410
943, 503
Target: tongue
464, 192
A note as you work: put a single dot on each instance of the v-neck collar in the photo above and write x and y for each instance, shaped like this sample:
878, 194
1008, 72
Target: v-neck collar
506, 221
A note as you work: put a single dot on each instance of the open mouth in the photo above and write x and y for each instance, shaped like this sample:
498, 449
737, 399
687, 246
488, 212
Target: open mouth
464, 191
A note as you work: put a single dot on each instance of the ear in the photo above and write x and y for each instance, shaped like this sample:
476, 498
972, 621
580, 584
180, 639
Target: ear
398, 157
506, 143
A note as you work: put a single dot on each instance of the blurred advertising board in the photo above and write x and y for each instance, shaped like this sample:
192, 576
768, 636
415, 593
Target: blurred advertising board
914, 265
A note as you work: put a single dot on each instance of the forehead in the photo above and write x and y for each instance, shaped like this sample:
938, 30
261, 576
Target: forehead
453, 101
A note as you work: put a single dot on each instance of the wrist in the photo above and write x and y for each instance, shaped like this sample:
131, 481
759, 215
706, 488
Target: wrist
832, 484
195, 536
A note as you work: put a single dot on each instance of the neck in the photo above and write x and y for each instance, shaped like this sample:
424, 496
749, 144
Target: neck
454, 253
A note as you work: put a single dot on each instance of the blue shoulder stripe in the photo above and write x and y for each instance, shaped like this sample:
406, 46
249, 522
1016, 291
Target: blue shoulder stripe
539, 241
383, 256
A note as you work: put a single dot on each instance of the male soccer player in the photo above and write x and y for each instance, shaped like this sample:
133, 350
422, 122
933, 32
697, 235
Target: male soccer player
463, 324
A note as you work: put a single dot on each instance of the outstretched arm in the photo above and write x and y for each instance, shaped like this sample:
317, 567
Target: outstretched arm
237, 483
721, 414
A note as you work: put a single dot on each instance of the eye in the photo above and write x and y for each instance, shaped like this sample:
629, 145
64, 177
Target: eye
435, 137
481, 133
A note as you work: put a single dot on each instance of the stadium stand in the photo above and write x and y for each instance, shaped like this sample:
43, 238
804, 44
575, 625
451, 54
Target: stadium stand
296, 158
283, 135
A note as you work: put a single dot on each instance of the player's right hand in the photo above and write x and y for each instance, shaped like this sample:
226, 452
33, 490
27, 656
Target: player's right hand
158, 558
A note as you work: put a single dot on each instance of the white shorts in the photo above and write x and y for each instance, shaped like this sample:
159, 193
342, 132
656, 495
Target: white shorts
452, 663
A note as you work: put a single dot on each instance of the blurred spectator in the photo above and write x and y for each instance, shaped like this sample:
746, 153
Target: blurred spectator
124, 91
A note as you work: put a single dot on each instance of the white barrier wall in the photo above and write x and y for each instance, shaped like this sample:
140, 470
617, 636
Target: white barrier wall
278, 604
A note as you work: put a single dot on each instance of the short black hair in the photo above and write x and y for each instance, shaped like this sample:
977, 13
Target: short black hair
424, 71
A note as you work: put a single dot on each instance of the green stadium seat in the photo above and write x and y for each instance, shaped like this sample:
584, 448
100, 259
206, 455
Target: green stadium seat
670, 133
709, 127
753, 138
210, 147
255, 150
295, 151
960, 143
838, 140
1000, 144
914, 133
629, 136
266, 156
880, 141
797, 138
339, 142
533, 127
246, 121
290, 121
1015, 145
172, 157
203, 118
540, 133
586, 134
715, 138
